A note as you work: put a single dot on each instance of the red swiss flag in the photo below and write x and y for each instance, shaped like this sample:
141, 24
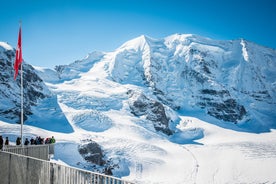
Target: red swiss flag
18, 56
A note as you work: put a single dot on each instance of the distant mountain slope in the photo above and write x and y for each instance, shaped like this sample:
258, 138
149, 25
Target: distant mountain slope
233, 81
71, 71
34, 88
40, 105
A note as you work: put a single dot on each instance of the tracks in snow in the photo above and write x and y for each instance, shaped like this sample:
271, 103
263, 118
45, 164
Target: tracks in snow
196, 165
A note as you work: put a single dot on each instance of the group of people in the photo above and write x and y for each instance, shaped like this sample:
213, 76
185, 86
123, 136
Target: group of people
7, 142
37, 141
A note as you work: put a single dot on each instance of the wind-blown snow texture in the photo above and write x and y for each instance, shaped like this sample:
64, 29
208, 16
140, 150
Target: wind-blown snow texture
141, 102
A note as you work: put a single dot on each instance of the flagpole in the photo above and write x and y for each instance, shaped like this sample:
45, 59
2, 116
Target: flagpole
22, 113
21, 87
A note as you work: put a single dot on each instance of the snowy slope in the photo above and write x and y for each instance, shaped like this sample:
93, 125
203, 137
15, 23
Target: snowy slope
33, 87
222, 156
182, 109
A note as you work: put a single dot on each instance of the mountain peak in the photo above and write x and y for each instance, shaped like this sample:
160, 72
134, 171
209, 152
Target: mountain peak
136, 43
187, 39
6, 46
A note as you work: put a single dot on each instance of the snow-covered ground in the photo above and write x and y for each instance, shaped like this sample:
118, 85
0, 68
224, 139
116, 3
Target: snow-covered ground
221, 156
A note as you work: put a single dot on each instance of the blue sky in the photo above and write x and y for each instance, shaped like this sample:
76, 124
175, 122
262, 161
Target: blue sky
58, 32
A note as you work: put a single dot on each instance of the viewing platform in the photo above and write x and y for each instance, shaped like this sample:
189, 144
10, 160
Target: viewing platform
32, 165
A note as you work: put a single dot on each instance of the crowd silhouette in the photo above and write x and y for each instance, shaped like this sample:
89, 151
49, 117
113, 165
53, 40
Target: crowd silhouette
33, 141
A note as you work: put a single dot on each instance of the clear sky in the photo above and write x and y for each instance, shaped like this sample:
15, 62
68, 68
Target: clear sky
58, 32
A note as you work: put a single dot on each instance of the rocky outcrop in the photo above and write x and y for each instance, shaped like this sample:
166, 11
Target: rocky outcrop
94, 155
220, 105
153, 111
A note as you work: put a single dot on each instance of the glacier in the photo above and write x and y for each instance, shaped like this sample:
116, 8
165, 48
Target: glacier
181, 109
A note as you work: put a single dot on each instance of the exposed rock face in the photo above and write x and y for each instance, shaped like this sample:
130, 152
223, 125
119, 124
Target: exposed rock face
34, 88
153, 110
93, 154
220, 105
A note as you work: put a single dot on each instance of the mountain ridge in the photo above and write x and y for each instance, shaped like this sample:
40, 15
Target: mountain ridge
144, 108
199, 72
230, 56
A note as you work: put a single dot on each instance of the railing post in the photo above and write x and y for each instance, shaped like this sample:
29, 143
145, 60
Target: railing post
9, 168
52, 173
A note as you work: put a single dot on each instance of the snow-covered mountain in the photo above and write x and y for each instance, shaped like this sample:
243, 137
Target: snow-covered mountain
233, 81
141, 105
34, 87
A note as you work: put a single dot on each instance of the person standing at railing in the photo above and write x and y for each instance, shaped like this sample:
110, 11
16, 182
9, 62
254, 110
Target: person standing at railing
52, 140
47, 140
32, 141
18, 141
26, 143
7, 142
1, 142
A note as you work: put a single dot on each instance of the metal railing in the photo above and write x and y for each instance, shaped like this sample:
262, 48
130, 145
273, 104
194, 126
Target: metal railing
37, 151
16, 168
